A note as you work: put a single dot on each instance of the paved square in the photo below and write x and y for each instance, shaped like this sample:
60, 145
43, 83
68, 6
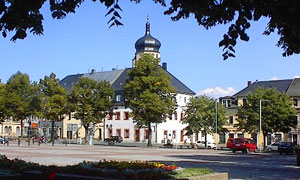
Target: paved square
238, 165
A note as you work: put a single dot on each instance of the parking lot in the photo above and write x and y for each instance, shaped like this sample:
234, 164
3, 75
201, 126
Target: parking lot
238, 165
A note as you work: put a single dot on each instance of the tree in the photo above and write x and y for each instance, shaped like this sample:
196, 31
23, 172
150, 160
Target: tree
17, 97
201, 116
278, 115
149, 93
2, 109
20, 16
54, 100
91, 101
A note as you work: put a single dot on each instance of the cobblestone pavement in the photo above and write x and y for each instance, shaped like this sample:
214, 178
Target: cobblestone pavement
238, 165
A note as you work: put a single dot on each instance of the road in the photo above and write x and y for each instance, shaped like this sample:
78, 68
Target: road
238, 165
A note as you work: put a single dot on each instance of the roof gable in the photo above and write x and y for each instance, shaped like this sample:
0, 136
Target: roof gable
294, 89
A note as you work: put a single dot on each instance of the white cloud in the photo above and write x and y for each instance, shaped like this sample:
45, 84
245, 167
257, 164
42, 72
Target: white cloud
217, 92
273, 78
296, 76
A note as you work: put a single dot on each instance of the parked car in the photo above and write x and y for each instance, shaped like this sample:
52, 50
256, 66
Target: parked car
229, 142
2, 140
201, 144
286, 147
243, 144
272, 147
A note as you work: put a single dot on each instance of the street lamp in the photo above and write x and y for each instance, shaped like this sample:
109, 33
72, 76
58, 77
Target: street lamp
216, 102
260, 117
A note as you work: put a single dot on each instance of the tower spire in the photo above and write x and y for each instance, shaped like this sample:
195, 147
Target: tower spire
148, 25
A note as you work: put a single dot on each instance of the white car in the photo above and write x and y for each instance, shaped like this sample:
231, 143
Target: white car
272, 147
201, 144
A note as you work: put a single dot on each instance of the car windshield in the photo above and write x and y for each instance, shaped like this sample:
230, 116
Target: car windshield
238, 141
286, 143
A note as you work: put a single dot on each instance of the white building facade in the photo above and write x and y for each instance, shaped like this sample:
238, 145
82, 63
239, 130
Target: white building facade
120, 123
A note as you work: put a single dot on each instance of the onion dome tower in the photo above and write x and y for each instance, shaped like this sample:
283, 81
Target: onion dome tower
147, 44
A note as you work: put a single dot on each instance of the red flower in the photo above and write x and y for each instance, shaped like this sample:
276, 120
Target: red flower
52, 176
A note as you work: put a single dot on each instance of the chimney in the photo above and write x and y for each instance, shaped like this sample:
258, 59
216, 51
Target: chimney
164, 66
249, 83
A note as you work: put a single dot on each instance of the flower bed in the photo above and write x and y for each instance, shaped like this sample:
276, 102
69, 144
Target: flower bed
111, 169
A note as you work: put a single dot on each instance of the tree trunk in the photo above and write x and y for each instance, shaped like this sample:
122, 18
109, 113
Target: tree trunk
149, 135
52, 132
205, 138
86, 128
21, 127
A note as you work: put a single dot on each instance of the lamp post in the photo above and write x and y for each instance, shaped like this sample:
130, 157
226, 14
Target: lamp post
216, 102
260, 118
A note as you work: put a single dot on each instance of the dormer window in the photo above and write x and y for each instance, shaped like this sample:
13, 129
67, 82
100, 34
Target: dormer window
295, 100
226, 103
118, 97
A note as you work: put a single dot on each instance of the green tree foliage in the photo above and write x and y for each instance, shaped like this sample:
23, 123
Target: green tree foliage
91, 101
54, 100
278, 115
201, 115
2, 109
149, 92
283, 15
17, 98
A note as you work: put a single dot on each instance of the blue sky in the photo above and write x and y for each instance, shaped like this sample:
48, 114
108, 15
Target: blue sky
83, 41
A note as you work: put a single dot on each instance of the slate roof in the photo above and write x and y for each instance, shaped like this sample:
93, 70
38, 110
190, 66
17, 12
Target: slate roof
109, 76
279, 85
294, 89
117, 79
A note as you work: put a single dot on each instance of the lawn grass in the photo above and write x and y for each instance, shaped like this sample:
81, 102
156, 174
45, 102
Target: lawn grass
188, 172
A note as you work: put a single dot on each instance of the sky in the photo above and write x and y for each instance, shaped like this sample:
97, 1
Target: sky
84, 41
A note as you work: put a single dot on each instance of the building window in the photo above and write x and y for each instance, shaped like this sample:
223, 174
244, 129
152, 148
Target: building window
231, 135
224, 102
170, 116
165, 134
6, 130
244, 101
118, 132
174, 134
184, 99
18, 130
231, 120
295, 102
175, 116
182, 115
296, 119
126, 133
126, 115
228, 103
118, 97
117, 117
146, 134
109, 116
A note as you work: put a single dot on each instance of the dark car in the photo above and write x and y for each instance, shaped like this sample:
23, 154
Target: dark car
286, 147
243, 144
